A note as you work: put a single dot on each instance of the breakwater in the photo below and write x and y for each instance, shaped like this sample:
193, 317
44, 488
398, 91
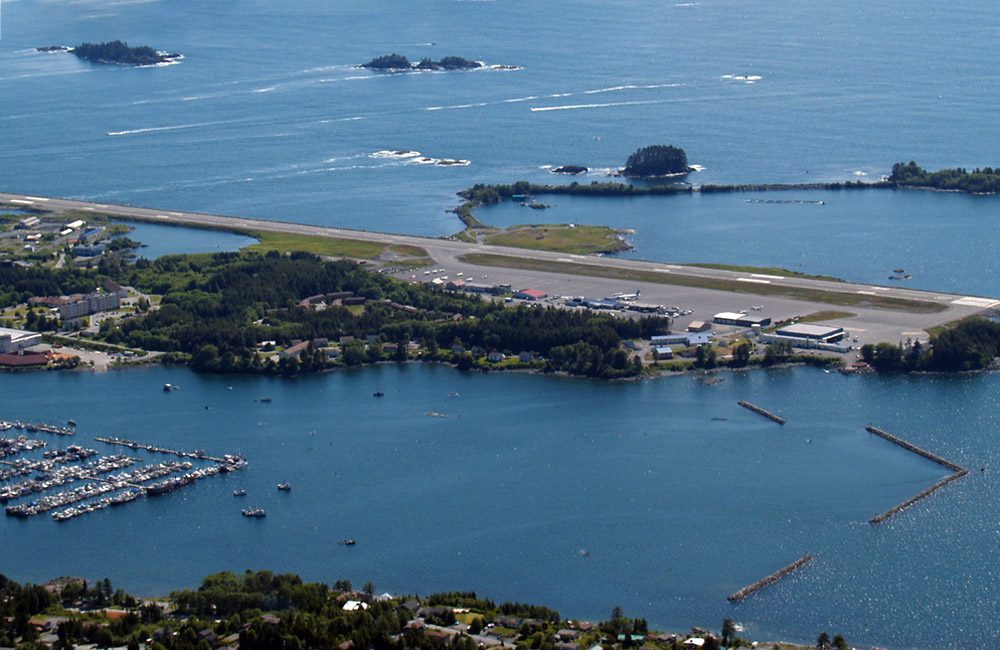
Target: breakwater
771, 579
909, 446
760, 411
879, 518
957, 472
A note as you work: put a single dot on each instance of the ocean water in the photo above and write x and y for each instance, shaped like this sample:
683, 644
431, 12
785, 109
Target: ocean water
268, 116
660, 496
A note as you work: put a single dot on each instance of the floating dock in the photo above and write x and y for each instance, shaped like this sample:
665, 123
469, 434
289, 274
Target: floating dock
759, 411
783, 572
957, 472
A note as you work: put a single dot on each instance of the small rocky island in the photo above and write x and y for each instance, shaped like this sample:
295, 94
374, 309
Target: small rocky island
399, 63
657, 161
117, 53
572, 170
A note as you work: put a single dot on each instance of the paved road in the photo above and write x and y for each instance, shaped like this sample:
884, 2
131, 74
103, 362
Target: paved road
874, 324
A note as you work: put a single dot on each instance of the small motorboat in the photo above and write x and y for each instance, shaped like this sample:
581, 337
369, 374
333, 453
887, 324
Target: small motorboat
284, 487
347, 542
239, 492
254, 512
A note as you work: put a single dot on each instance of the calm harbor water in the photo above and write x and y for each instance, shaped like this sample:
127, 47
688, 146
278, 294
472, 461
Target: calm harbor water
268, 116
171, 240
661, 496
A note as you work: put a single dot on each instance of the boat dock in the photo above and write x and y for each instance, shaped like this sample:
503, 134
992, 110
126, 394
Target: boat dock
227, 459
100, 482
6, 425
957, 472
783, 572
759, 411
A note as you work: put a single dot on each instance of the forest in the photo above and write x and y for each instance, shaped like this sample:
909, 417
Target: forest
972, 344
215, 309
979, 181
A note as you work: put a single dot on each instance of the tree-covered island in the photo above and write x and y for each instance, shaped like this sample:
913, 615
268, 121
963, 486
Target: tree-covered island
398, 62
656, 161
120, 53
979, 181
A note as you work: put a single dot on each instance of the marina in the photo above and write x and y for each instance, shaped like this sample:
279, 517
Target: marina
101, 487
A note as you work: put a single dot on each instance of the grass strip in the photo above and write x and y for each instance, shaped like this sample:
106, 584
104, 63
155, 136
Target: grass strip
769, 270
327, 246
797, 293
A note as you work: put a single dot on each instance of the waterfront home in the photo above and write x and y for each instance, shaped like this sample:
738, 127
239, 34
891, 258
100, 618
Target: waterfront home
495, 357
354, 605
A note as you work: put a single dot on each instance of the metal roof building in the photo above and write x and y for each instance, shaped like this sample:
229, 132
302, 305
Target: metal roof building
825, 333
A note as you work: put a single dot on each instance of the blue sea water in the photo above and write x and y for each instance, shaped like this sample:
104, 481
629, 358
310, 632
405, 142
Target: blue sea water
660, 496
268, 116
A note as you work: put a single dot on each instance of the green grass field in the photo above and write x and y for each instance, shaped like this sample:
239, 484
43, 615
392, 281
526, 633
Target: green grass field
561, 238
329, 246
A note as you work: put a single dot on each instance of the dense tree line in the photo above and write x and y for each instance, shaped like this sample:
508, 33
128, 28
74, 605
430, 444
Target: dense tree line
972, 344
216, 308
117, 52
978, 181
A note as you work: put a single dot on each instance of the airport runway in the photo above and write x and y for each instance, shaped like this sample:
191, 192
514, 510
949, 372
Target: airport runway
870, 324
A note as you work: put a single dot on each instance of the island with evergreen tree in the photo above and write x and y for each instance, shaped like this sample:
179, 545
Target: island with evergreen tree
398, 63
117, 53
655, 161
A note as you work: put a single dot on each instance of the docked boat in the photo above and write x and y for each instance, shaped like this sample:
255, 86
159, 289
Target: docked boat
284, 487
254, 512
239, 493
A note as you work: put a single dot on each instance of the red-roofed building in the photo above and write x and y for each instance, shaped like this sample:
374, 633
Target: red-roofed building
530, 294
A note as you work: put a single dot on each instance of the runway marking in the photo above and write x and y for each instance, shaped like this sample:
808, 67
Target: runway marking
36, 198
162, 216
971, 301
855, 329
769, 277
754, 280
563, 259
177, 214
914, 333
662, 270
21, 202
879, 288
868, 293
88, 208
